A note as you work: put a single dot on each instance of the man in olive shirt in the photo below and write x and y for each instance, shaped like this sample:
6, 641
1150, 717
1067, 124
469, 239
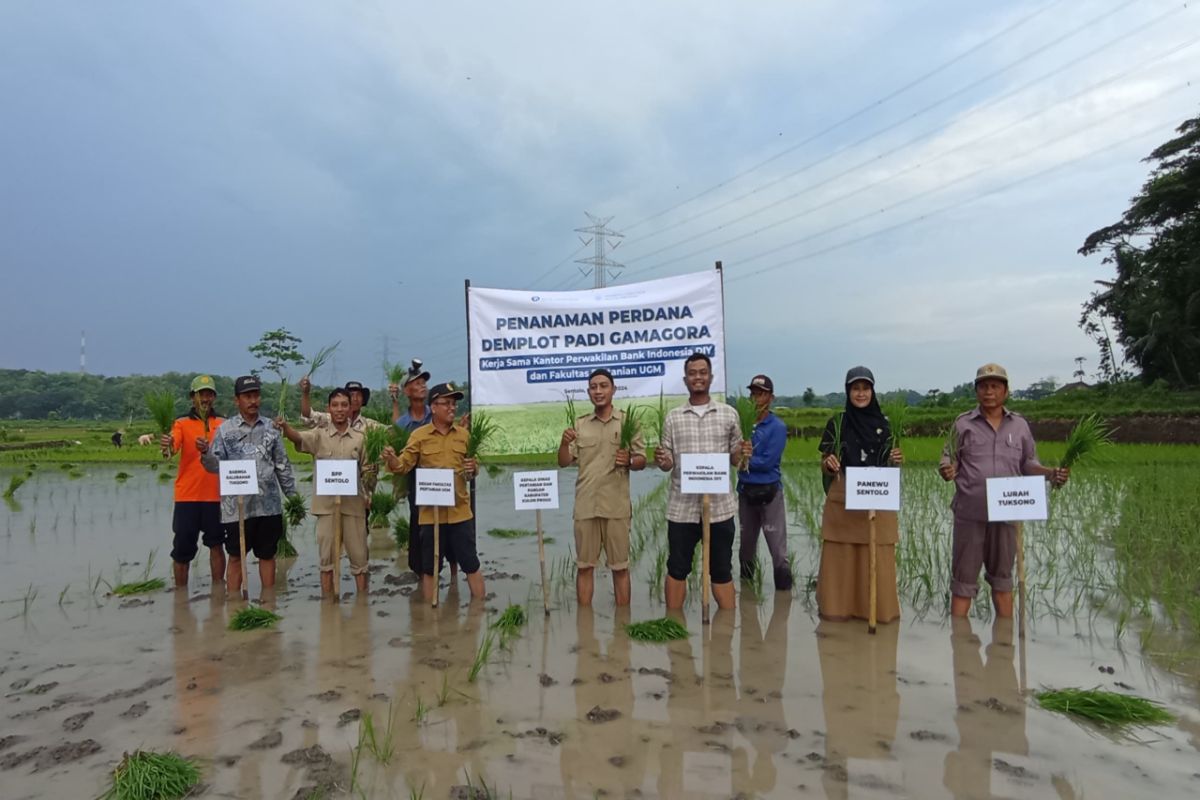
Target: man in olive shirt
337, 441
442, 444
602, 507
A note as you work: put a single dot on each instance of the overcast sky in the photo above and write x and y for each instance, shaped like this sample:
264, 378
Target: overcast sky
902, 185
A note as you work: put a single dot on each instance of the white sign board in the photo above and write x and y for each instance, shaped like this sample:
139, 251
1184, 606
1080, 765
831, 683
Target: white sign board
239, 477
1012, 499
872, 488
435, 487
534, 490
336, 476
704, 473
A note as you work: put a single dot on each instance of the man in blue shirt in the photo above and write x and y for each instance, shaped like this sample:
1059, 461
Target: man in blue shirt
760, 490
416, 391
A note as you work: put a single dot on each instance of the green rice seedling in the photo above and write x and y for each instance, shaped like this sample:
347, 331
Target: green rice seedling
285, 548
831, 439
509, 623
253, 617
143, 775
897, 417
14, 483
318, 361
1089, 435
415, 793
380, 744
398, 438
482, 429
165, 477
443, 695
658, 418
510, 533
631, 426
482, 791
950, 450
27, 601
62, 596
374, 440
139, 587
1108, 709
382, 505
122, 476
162, 410
420, 711
401, 532
381, 415
482, 656
396, 373
572, 413
66, 465
747, 413
665, 629
75, 474
755, 580
659, 570
295, 509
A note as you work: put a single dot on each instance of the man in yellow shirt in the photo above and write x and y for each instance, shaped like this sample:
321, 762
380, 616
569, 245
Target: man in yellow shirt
442, 444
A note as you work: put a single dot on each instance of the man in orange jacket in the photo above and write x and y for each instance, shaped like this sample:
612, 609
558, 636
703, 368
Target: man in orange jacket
197, 491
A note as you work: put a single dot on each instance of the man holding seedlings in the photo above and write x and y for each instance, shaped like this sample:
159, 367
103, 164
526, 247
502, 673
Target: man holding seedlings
197, 491
442, 444
987, 442
246, 435
359, 396
602, 506
699, 426
416, 391
760, 490
337, 441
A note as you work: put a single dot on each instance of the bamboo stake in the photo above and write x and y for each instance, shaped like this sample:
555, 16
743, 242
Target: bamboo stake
242, 545
542, 563
1021, 577
705, 557
337, 548
437, 555
873, 611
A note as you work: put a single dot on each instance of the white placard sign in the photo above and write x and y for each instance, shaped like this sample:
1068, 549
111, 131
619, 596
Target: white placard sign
704, 473
239, 477
336, 476
872, 488
435, 487
534, 490
1012, 499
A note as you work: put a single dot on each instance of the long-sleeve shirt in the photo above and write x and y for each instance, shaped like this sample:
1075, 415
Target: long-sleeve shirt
429, 448
711, 428
768, 440
986, 452
329, 443
236, 440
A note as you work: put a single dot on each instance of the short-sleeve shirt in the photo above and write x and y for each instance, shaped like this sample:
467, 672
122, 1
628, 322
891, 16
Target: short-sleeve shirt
407, 422
602, 488
321, 419
193, 483
237, 439
429, 448
711, 428
986, 452
329, 443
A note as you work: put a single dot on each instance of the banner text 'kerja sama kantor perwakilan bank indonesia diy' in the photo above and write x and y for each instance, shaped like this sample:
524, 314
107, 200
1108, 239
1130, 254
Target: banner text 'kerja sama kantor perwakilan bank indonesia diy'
529, 350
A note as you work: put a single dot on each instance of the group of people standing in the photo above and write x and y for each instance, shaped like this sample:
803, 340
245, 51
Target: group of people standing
991, 441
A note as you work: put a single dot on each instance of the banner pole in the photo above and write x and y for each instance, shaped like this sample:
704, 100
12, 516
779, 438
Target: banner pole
724, 371
470, 381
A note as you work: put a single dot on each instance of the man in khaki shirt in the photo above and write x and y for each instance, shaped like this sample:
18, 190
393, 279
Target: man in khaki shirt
442, 444
338, 440
602, 507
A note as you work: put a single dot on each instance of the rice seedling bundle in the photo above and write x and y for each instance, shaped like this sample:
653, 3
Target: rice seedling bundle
380, 415
747, 413
162, 410
143, 775
572, 414
510, 533
374, 440
482, 656
951, 448
285, 548
481, 431
122, 476
1089, 435
14, 483
897, 417
295, 510
253, 617
510, 622
658, 418
396, 373
318, 361
139, 587
656, 630
401, 532
382, 505
1108, 709
631, 426
398, 438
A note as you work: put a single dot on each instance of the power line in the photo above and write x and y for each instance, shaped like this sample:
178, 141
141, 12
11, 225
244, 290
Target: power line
602, 267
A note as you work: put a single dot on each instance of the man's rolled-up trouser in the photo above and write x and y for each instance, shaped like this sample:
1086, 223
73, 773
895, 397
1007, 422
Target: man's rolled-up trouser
354, 542
991, 545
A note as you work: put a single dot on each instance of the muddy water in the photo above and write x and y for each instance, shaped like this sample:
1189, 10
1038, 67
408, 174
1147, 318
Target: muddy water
765, 702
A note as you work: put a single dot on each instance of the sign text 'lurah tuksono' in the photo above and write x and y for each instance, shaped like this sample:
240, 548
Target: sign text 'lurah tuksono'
1015, 499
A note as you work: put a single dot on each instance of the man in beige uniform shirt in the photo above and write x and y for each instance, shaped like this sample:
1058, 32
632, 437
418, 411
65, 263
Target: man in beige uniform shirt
602, 507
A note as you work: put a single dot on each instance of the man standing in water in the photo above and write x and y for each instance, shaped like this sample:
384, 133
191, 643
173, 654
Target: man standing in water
197, 491
602, 506
699, 426
246, 435
760, 490
416, 392
442, 444
990, 442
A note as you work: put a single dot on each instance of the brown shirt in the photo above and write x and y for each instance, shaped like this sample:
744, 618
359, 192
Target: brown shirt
429, 448
602, 489
327, 443
986, 452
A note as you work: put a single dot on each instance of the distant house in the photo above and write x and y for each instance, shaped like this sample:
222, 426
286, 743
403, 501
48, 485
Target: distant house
1072, 386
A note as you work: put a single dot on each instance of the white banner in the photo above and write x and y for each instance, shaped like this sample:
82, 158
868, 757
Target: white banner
239, 477
435, 487
872, 488
1012, 499
534, 490
530, 347
704, 473
336, 476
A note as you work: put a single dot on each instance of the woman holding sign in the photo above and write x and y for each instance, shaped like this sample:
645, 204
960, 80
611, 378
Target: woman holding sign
989, 441
858, 437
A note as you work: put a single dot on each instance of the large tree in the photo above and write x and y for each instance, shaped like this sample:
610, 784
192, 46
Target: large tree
1153, 303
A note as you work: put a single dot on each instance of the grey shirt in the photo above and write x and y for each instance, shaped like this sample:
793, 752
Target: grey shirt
235, 440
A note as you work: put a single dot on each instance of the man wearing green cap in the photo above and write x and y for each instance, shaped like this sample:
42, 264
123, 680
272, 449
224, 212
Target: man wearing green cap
989, 441
197, 491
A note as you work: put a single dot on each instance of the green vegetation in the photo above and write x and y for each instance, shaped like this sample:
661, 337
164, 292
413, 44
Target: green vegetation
897, 417
481, 431
162, 410
253, 617
510, 533
1088, 436
295, 509
509, 623
374, 440
401, 532
656, 630
139, 587
572, 413
396, 373
482, 656
1108, 709
380, 744
15, 482
382, 505
143, 775
658, 418
318, 361
631, 426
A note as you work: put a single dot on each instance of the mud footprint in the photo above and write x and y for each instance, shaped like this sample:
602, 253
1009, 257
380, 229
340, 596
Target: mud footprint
77, 721
136, 710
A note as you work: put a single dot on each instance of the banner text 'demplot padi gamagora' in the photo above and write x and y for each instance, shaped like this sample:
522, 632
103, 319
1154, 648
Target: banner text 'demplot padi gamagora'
530, 350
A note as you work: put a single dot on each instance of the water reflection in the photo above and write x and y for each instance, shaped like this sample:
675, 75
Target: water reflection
762, 669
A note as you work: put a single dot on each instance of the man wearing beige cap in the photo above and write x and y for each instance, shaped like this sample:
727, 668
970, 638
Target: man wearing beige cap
991, 442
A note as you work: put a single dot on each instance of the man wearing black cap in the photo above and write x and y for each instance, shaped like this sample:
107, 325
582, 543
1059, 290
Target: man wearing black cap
246, 435
760, 493
442, 444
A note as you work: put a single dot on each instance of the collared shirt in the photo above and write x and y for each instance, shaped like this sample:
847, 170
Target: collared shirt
321, 419
602, 489
329, 443
986, 452
711, 428
237, 439
406, 420
429, 448
769, 439
194, 484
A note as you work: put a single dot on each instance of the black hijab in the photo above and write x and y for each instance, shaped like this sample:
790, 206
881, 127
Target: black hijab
866, 434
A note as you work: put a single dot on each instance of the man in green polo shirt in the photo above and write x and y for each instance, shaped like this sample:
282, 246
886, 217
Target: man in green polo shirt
602, 507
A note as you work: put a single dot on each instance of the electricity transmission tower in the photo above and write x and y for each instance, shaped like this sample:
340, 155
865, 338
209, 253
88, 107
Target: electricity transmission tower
599, 264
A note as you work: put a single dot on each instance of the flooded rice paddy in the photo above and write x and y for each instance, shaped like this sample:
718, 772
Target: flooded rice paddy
767, 701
